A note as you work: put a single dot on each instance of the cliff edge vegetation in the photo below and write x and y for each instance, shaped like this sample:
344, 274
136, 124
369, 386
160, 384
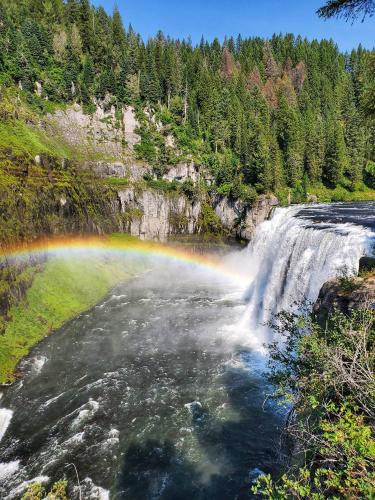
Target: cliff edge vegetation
322, 369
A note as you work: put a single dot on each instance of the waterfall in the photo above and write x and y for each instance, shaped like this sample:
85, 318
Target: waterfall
292, 257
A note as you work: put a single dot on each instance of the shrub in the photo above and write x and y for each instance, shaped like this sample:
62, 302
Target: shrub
328, 376
36, 491
209, 221
190, 190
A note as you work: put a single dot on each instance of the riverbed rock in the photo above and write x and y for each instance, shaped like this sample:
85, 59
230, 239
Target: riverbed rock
366, 264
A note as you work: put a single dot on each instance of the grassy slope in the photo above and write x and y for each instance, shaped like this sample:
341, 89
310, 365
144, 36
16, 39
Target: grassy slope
325, 194
64, 289
28, 140
21, 129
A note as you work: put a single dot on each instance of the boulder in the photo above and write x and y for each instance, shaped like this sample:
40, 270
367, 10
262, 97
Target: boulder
106, 169
182, 172
345, 296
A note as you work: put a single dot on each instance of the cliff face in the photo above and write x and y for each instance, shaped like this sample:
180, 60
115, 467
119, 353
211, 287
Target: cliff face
105, 132
152, 215
148, 213
241, 221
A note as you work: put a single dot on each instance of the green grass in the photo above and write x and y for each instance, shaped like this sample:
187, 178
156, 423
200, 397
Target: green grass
24, 139
325, 194
61, 291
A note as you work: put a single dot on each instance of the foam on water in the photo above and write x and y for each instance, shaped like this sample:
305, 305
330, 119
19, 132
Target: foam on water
37, 363
19, 490
87, 411
5, 418
91, 491
51, 401
7, 469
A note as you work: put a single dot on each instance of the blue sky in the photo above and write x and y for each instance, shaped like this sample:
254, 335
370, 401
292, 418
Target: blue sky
217, 18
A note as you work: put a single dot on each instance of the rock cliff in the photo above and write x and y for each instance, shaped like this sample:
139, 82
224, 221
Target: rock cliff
240, 220
345, 295
105, 132
153, 215
106, 140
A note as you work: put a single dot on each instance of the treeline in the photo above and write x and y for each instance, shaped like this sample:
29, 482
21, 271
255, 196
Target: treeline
261, 113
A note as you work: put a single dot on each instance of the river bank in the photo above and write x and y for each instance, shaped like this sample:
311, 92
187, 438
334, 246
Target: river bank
65, 284
61, 290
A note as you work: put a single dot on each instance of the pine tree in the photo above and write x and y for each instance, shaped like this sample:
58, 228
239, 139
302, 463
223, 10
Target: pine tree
72, 11
118, 38
85, 24
336, 156
291, 140
150, 85
315, 145
87, 80
368, 99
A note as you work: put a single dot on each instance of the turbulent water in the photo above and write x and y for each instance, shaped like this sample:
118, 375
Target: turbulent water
158, 392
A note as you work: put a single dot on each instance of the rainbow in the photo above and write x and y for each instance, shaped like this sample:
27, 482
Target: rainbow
119, 246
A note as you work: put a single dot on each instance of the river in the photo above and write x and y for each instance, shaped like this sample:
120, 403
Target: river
159, 391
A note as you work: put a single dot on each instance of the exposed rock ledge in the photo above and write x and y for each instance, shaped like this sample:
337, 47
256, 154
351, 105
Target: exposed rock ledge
241, 221
152, 215
102, 133
357, 293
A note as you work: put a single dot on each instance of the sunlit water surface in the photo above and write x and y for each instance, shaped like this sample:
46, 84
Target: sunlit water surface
152, 394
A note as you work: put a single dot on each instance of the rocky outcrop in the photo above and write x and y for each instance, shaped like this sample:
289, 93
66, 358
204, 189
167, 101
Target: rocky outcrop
188, 171
345, 295
104, 132
131, 170
154, 215
130, 126
136, 171
111, 135
106, 169
241, 220
366, 264
182, 172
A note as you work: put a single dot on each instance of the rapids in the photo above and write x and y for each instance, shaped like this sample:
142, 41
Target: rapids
158, 392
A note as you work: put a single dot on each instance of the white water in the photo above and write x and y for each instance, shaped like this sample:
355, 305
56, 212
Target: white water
5, 418
292, 257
